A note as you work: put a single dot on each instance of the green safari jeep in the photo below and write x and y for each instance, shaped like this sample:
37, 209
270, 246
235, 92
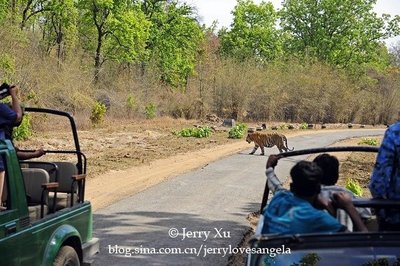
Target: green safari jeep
44, 219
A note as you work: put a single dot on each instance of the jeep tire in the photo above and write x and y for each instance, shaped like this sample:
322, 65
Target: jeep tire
67, 256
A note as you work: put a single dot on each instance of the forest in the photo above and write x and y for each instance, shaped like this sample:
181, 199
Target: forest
313, 61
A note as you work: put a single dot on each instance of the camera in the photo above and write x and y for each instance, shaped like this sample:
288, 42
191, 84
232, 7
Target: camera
5, 90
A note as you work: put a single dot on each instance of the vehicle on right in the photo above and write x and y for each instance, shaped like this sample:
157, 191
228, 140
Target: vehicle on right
372, 248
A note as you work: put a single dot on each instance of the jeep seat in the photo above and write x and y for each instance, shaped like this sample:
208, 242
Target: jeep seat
67, 192
37, 188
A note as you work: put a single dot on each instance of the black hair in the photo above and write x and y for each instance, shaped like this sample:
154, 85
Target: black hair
330, 168
306, 179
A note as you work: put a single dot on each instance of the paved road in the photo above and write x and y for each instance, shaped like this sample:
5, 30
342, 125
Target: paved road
203, 210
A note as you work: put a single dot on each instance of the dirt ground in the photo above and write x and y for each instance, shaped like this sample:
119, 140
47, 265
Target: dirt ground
125, 158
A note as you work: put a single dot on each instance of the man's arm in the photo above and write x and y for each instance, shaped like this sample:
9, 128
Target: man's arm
383, 167
15, 103
344, 201
274, 183
23, 155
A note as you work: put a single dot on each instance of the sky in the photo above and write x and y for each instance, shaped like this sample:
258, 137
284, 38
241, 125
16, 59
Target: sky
220, 10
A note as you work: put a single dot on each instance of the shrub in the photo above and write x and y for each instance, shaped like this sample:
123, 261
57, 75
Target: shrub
303, 126
24, 130
283, 127
131, 102
368, 141
202, 132
150, 110
32, 96
98, 111
290, 127
7, 66
354, 187
238, 131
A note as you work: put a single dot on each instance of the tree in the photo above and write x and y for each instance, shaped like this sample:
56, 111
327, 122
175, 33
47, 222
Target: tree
30, 9
253, 33
341, 32
60, 26
395, 54
175, 40
120, 29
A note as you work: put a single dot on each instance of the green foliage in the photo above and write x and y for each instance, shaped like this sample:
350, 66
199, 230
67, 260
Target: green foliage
354, 186
113, 30
303, 126
150, 111
98, 112
253, 34
131, 102
174, 41
368, 141
3, 9
345, 33
24, 130
197, 132
60, 27
7, 67
310, 259
283, 126
238, 131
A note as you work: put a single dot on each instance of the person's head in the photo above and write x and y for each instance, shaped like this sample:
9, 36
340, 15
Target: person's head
330, 168
306, 179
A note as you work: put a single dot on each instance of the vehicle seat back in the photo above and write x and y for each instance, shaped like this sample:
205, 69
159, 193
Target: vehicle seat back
37, 196
67, 191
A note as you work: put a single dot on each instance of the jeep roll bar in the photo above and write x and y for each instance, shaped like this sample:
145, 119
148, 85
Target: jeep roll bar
80, 165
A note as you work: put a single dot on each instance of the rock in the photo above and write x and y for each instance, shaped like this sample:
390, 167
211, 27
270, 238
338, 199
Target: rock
229, 123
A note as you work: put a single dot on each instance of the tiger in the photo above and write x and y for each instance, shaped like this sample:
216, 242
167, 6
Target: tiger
268, 140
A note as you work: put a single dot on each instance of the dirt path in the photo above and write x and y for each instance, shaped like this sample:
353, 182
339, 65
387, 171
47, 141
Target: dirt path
107, 188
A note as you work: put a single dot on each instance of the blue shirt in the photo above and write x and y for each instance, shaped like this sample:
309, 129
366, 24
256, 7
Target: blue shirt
288, 214
7, 118
385, 179
7, 115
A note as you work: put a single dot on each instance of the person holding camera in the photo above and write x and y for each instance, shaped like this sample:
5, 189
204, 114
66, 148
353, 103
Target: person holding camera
8, 118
